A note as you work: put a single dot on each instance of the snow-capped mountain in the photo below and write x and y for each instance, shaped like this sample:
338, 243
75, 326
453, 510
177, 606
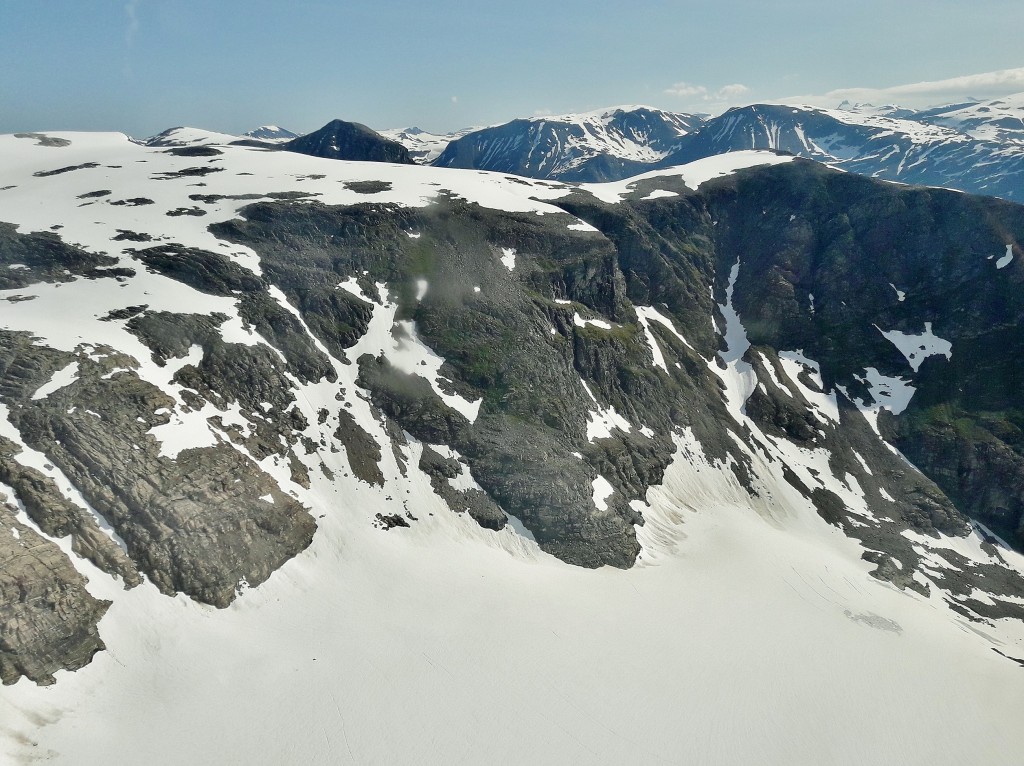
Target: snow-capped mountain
978, 147
271, 133
1000, 120
885, 110
338, 140
423, 147
867, 142
606, 463
594, 146
341, 140
185, 137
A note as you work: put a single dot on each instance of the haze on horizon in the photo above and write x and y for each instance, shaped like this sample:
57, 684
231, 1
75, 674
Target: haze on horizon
140, 66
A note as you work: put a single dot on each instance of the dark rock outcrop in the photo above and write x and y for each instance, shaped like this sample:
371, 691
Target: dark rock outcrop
340, 140
47, 617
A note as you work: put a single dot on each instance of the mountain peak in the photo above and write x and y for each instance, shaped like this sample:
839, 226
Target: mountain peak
271, 133
604, 144
183, 135
342, 140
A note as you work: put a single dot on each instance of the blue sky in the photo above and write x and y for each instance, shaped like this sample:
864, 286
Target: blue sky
140, 66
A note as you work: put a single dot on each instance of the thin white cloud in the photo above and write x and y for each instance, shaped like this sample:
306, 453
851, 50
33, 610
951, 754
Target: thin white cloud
985, 85
685, 90
455, 99
729, 92
701, 92
132, 29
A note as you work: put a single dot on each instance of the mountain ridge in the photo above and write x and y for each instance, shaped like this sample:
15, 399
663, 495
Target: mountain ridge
264, 381
974, 147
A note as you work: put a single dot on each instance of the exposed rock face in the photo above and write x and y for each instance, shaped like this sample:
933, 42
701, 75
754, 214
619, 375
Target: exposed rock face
47, 618
58, 517
498, 346
195, 524
895, 259
543, 367
423, 147
44, 257
340, 140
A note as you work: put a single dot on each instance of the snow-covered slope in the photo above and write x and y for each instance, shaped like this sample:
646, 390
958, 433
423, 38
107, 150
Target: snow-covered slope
593, 146
271, 133
424, 147
464, 381
747, 637
185, 136
968, 151
999, 120
885, 110
978, 147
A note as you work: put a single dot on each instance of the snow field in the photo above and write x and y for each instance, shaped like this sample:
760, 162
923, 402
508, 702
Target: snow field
753, 637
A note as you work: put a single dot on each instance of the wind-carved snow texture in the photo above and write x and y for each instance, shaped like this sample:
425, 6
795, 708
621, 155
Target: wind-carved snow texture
444, 607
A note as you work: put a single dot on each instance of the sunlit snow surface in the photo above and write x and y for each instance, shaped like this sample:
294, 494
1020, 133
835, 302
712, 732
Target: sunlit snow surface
692, 174
1004, 260
739, 641
917, 348
749, 632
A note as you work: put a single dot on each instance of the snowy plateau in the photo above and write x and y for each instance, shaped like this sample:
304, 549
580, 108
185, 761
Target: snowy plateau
307, 460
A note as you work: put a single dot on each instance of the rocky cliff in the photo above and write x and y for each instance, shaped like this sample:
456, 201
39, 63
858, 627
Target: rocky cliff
178, 367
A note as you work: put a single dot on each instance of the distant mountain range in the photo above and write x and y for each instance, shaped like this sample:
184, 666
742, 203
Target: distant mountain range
424, 147
337, 140
956, 149
975, 147
608, 469
271, 133
597, 146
